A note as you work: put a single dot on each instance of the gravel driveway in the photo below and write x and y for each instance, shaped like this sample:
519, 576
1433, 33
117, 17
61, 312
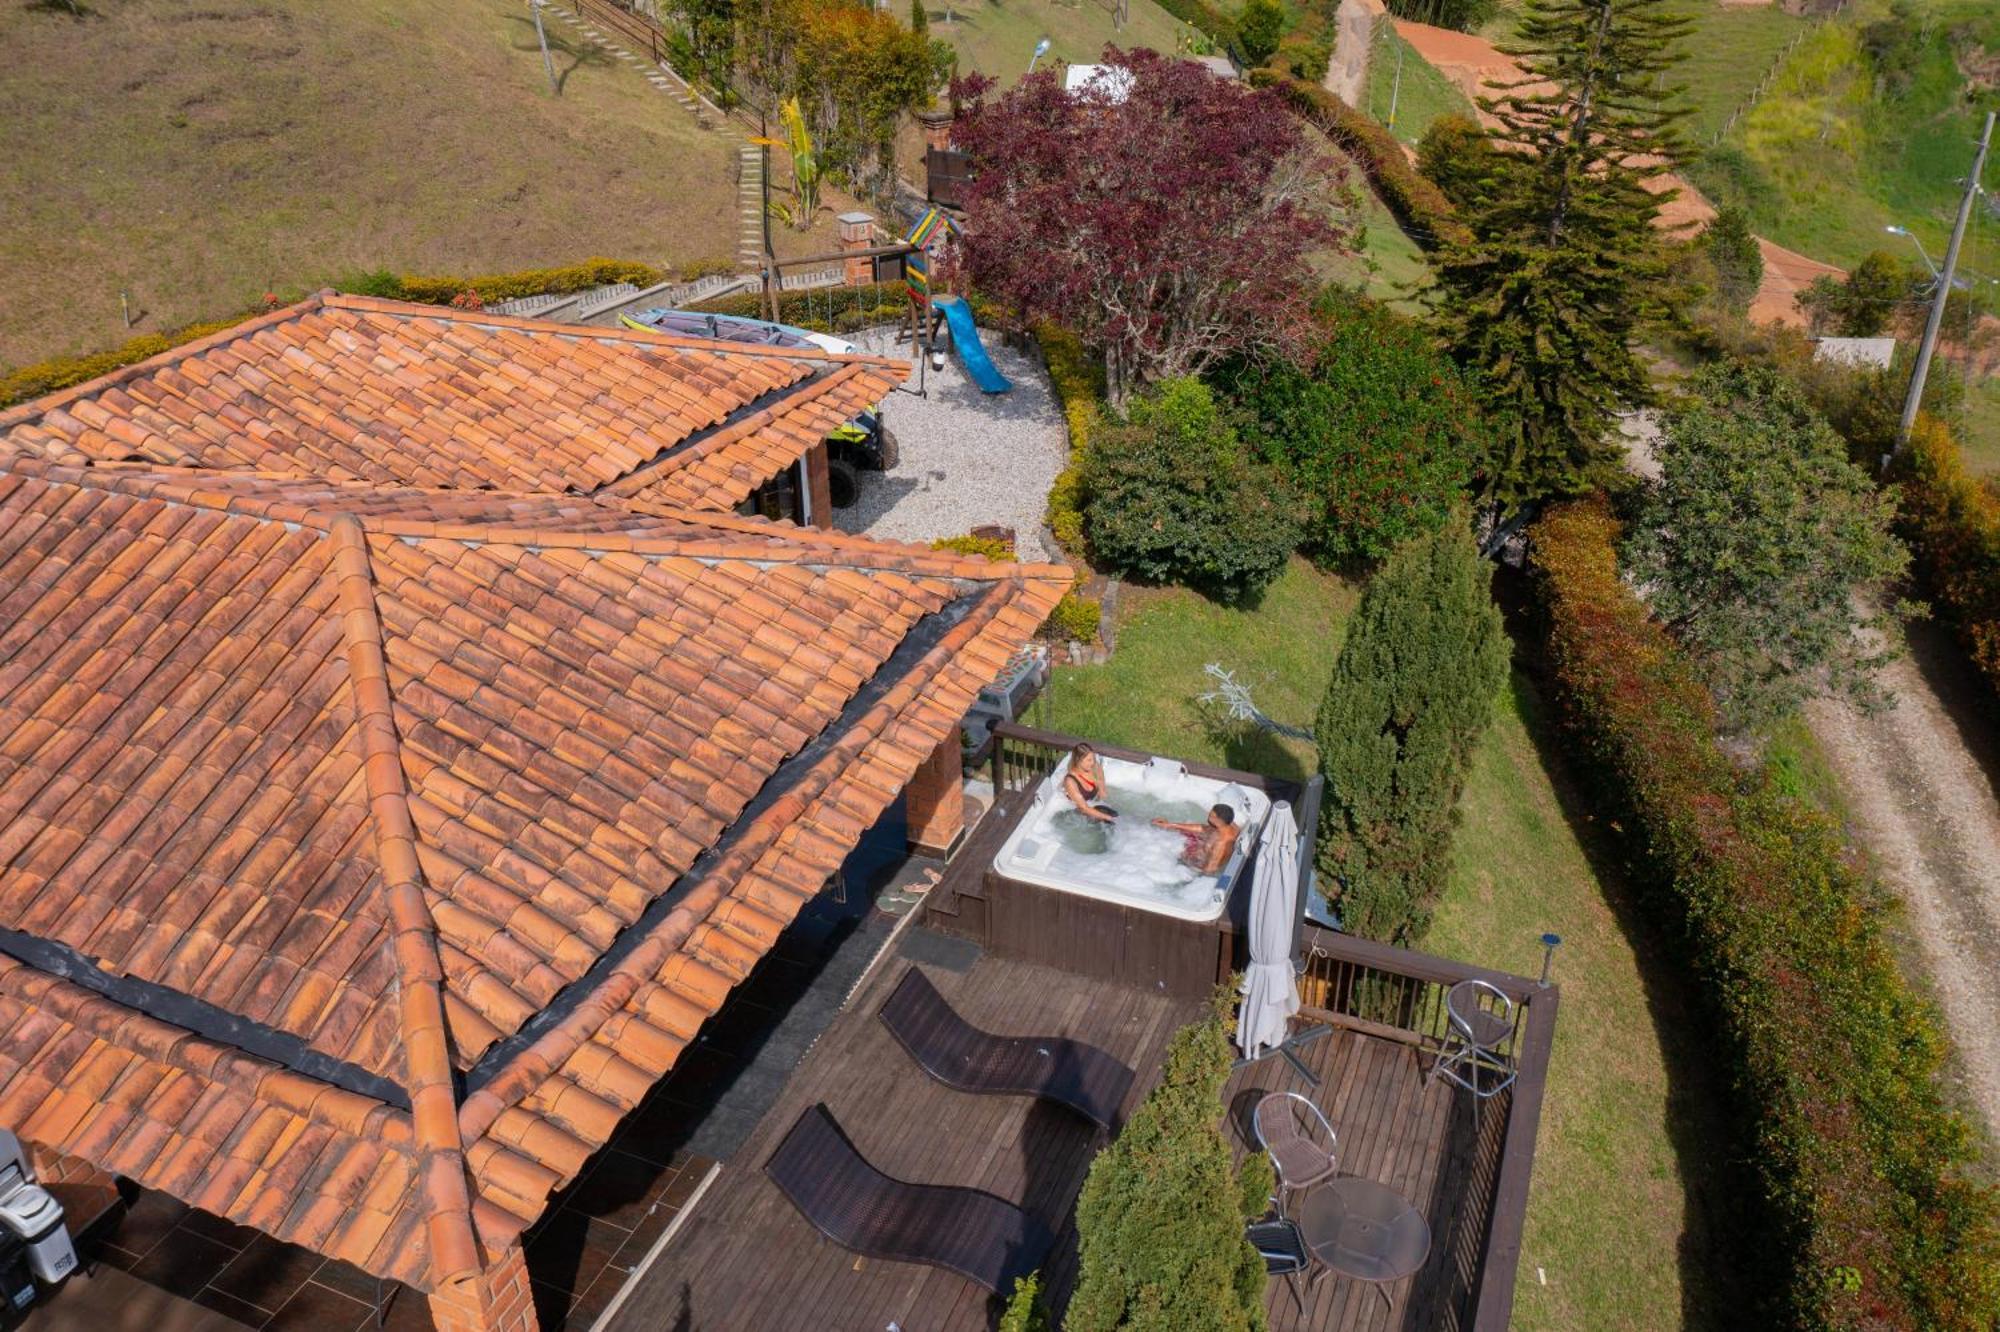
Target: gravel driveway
968, 459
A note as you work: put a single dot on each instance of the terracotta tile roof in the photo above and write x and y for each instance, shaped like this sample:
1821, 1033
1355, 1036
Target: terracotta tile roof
354, 388
388, 772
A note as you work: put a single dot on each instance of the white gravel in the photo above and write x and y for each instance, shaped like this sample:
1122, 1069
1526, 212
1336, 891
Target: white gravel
968, 459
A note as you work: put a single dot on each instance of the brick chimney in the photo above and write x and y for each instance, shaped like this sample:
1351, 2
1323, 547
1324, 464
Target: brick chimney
937, 124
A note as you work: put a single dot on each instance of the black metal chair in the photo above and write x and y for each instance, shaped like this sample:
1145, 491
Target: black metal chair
1283, 1247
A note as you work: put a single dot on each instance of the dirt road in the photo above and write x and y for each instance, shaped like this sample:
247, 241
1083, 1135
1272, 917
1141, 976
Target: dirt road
1920, 782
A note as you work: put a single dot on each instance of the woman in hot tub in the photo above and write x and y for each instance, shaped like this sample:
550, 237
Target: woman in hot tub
1084, 785
1208, 844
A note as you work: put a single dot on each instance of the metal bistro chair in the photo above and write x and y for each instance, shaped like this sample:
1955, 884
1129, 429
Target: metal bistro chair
1285, 1124
1283, 1248
1482, 1020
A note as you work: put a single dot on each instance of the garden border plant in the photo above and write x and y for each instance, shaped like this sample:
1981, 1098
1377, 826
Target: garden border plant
1871, 1213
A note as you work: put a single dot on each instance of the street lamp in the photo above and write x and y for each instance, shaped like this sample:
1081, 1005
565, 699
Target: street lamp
1041, 49
1895, 230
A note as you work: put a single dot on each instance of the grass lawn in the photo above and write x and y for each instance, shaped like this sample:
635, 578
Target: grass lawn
997, 37
1613, 1216
1419, 96
1730, 49
1979, 426
198, 156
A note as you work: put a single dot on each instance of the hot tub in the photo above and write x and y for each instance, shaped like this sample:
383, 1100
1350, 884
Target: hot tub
1130, 862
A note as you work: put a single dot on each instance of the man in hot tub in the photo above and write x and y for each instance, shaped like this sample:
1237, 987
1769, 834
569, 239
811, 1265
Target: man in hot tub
1208, 844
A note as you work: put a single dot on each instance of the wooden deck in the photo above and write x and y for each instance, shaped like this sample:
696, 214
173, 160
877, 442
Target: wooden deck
746, 1259
1422, 1140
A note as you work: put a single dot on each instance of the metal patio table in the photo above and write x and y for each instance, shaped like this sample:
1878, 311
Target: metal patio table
1365, 1230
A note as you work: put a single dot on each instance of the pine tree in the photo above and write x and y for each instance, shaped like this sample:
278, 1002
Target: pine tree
1159, 1224
1411, 693
920, 19
1563, 264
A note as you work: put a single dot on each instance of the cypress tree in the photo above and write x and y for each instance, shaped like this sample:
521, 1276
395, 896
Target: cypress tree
920, 19
1411, 693
1563, 263
1159, 1224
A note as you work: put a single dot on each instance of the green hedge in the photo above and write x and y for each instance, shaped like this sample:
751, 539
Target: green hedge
1951, 520
1873, 1221
32, 381
1417, 203
1078, 379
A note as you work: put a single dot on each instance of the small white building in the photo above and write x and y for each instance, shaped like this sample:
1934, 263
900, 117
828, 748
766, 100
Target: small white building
1112, 82
1863, 353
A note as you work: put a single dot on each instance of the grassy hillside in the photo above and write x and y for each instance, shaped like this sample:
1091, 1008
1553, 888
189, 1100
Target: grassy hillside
1401, 80
199, 156
1833, 153
1624, 1197
997, 37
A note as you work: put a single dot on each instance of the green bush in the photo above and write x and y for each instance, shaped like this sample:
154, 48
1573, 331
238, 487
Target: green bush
1381, 433
1075, 619
1175, 497
1418, 204
1159, 1224
443, 289
1412, 691
989, 548
1871, 1218
32, 381
1078, 379
1951, 520
1457, 154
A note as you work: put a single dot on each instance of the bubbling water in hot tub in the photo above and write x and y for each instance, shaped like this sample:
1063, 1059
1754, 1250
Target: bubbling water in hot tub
1130, 856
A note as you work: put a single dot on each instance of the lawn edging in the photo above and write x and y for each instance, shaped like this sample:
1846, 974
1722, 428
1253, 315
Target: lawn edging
1873, 1217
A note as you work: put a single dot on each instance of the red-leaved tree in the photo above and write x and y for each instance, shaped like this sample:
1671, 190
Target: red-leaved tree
1162, 214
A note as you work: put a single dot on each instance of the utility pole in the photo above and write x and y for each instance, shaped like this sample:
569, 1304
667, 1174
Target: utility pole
1931, 326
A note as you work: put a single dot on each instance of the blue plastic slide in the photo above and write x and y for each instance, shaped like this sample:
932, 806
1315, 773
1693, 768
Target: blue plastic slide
971, 351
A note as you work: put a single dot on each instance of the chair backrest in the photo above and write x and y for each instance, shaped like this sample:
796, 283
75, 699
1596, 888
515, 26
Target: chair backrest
1472, 999
1287, 1120
1280, 1243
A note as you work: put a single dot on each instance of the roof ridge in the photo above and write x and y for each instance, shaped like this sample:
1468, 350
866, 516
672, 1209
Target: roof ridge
644, 337
552, 1048
35, 408
419, 974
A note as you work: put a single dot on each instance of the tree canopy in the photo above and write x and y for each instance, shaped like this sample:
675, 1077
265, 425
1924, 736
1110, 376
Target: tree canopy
1165, 219
1761, 547
1563, 264
1412, 691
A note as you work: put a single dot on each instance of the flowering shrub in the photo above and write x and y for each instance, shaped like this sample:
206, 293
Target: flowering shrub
1872, 1218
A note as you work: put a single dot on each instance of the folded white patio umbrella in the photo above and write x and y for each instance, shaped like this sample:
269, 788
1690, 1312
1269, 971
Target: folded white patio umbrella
1270, 988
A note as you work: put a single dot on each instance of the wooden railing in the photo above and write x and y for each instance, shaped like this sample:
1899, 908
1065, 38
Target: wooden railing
1399, 995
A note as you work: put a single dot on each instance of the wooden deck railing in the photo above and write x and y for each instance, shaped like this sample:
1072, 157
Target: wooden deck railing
1399, 995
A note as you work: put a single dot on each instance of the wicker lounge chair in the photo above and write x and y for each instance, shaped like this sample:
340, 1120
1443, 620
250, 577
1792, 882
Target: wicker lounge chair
973, 1233
960, 1055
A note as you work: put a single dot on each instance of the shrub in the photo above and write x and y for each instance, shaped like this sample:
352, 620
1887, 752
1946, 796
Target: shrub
1871, 1219
1952, 522
494, 287
1739, 263
990, 548
32, 381
1078, 379
1381, 433
1259, 25
1026, 1311
1174, 497
1457, 154
1412, 691
1075, 619
1160, 1221
1761, 544
1418, 204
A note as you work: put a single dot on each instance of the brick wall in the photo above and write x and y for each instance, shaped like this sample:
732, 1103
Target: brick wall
497, 1300
935, 800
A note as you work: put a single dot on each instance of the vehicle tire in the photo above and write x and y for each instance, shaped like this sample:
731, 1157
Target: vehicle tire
886, 447
843, 482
